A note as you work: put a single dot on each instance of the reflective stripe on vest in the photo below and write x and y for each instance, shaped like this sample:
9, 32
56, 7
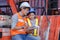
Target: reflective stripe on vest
29, 23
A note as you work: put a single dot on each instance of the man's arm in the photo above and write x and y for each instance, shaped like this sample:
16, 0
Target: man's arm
14, 21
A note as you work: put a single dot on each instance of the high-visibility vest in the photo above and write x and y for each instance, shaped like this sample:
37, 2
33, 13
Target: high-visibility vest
21, 22
35, 33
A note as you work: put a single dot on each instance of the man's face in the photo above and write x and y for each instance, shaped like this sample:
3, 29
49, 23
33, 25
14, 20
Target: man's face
25, 11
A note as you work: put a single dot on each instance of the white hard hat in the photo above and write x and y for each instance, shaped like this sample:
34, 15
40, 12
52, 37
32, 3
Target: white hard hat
25, 4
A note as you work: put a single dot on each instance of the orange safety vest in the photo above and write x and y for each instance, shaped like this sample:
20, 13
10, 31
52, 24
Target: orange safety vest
21, 22
36, 24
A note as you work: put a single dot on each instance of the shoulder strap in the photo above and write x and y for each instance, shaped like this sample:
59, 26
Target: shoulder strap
36, 22
29, 23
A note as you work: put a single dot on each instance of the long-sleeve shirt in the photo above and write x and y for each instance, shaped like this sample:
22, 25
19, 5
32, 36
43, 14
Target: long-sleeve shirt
14, 20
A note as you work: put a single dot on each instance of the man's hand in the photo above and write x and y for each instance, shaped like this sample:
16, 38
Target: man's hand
30, 30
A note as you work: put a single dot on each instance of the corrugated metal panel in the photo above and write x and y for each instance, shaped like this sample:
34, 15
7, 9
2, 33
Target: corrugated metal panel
59, 4
3, 2
37, 3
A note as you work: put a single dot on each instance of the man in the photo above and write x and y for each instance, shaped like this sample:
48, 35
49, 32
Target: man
33, 25
18, 27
